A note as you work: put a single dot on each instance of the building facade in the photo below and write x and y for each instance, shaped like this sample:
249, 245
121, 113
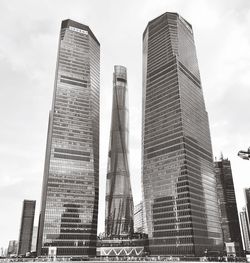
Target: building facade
26, 229
69, 206
245, 229
139, 218
119, 201
227, 202
179, 185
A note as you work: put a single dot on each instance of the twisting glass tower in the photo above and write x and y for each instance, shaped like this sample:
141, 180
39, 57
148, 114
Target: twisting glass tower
69, 206
119, 201
179, 184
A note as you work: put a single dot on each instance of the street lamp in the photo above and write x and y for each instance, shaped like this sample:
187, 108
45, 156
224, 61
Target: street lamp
244, 154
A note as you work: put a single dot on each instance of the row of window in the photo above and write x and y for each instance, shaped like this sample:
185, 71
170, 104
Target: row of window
72, 157
73, 83
70, 151
187, 232
69, 251
165, 151
166, 144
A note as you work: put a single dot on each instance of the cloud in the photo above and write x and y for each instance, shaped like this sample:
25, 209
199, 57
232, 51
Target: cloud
8, 181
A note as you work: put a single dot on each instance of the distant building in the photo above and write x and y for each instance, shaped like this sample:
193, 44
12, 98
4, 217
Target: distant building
26, 229
245, 229
119, 200
179, 184
2, 252
12, 248
34, 238
139, 218
227, 201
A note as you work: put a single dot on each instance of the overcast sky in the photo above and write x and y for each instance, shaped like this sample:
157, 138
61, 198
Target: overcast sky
29, 32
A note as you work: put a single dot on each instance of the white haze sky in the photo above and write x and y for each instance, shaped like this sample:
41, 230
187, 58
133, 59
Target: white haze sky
29, 32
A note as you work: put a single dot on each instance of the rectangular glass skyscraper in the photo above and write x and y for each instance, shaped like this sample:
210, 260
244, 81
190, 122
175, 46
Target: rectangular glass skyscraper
227, 202
26, 229
179, 185
69, 207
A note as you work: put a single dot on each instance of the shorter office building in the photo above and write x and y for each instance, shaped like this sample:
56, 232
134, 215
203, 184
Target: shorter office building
245, 230
139, 218
26, 229
227, 202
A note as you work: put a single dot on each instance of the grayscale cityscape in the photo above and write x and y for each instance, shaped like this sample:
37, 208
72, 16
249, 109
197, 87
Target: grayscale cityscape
166, 180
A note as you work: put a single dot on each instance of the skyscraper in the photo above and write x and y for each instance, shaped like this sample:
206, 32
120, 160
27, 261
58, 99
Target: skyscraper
245, 220
227, 201
69, 207
26, 229
245, 229
119, 201
247, 197
179, 186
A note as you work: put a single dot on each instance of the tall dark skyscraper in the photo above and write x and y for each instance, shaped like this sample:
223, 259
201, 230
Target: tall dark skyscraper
179, 184
227, 200
69, 206
119, 201
26, 229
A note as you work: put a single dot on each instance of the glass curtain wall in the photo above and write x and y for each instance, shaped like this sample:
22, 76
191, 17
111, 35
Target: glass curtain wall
69, 207
179, 186
119, 201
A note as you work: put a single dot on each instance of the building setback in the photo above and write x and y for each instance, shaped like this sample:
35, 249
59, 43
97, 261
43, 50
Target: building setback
227, 201
119, 201
69, 206
179, 185
26, 229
